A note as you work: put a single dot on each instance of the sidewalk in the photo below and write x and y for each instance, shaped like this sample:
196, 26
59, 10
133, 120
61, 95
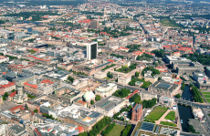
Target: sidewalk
163, 117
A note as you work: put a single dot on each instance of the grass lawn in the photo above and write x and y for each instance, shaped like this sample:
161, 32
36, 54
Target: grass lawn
171, 116
207, 96
168, 22
168, 123
208, 100
116, 131
156, 114
206, 93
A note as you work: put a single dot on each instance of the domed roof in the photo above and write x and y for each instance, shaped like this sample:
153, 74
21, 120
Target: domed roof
88, 96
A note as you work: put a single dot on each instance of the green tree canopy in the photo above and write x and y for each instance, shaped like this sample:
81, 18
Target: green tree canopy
71, 79
154, 71
5, 96
92, 102
109, 75
136, 98
159, 53
98, 98
149, 103
122, 93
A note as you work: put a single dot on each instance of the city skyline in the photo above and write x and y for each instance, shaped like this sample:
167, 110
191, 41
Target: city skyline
104, 67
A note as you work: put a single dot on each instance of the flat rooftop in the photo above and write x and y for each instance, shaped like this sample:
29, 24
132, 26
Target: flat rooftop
163, 85
147, 126
109, 103
79, 114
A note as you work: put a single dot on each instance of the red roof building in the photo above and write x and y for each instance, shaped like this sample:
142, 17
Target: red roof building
6, 87
13, 94
132, 94
80, 129
104, 33
123, 49
149, 53
162, 68
185, 49
36, 58
37, 132
16, 108
46, 81
137, 112
31, 85
86, 21
138, 53
110, 60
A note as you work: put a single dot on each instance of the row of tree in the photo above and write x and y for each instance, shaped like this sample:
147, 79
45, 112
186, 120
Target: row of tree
150, 68
144, 56
126, 131
108, 129
134, 79
202, 58
159, 53
126, 69
196, 94
146, 103
135, 98
122, 93
36, 15
133, 47
97, 127
149, 103
125, 109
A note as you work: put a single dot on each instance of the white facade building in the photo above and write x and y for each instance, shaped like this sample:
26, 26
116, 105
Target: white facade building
106, 89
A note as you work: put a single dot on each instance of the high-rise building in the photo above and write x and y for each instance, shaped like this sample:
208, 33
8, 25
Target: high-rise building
137, 112
91, 50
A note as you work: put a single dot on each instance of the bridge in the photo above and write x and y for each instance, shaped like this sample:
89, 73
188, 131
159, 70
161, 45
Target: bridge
177, 100
189, 134
193, 104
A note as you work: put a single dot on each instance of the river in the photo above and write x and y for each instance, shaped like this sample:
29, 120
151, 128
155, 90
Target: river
185, 112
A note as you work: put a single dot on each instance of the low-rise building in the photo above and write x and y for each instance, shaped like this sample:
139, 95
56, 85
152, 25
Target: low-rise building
55, 128
183, 65
169, 102
100, 74
78, 115
106, 90
110, 105
198, 113
124, 79
202, 80
17, 130
151, 129
6, 86
3, 59
164, 88
147, 96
